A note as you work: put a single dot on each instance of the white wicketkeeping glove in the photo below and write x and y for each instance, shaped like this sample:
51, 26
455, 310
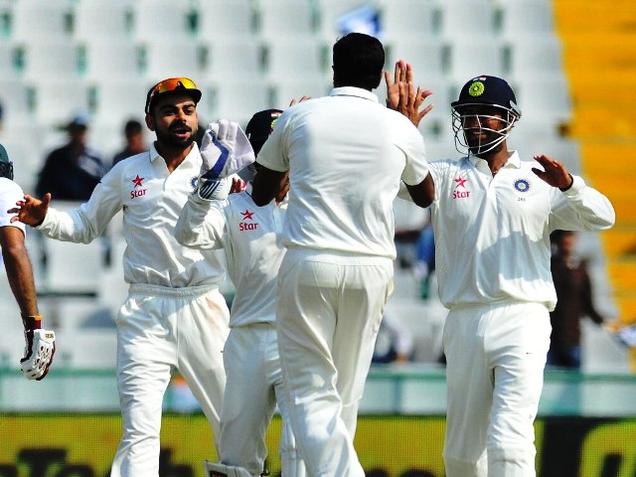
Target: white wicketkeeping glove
225, 150
38, 353
214, 189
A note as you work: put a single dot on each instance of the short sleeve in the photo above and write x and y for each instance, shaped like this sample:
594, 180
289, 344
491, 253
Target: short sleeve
10, 193
416, 168
273, 154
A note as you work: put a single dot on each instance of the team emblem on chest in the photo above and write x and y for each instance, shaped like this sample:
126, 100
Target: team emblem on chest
247, 222
522, 185
461, 191
138, 188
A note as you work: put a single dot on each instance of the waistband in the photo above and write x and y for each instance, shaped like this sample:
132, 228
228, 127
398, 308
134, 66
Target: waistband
496, 304
258, 325
334, 256
147, 289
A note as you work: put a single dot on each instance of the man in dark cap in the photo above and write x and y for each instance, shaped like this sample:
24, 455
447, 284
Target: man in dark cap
40, 343
492, 216
174, 315
72, 171
249, 236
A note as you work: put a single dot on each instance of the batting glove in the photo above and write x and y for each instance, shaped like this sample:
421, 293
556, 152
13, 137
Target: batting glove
225, 150
38, 351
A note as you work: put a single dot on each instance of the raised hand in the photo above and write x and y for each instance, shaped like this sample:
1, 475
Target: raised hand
410, 101
402, 73
554, 172
225, 150
31, 211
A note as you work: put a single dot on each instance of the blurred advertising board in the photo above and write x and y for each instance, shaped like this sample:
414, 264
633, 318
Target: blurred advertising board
83, 445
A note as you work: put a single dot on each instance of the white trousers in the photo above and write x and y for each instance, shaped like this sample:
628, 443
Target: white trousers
495, 359
254, 386
159, 328
328, 313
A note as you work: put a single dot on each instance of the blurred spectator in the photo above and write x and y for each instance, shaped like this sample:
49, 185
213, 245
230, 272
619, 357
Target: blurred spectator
72, 171
1, 116
135, 142
574, 295
394, 343
179, 397
425, 260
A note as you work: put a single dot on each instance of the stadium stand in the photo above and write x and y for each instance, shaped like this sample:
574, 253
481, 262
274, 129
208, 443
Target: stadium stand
220, 20
573, 69
44, 59
285, 18
402, 19
108, 60
168, 58
33, 20
153, 18
105, 21
599, 59
224, 57
301, 58
527, 18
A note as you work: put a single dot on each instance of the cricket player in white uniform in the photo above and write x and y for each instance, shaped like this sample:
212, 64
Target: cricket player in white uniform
250, 237
39, 343
492, 216
346, 155
175, 315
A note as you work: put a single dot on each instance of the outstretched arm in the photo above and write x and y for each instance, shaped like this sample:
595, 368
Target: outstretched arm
82, 224
19, 271
39, 343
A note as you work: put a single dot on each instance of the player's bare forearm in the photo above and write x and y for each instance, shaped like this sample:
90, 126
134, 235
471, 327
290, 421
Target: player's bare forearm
423, 194
266, 185
20, 275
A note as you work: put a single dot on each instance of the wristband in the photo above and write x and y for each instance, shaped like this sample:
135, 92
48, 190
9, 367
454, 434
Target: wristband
32, 322
563, 189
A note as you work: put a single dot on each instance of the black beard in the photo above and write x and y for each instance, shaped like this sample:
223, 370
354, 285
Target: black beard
173, 142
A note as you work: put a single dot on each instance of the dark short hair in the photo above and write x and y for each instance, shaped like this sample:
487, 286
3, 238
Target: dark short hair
132, 127
358, 60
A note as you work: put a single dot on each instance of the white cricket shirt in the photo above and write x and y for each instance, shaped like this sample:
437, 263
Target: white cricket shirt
151, 198
10, 193
492, 234
346, 155
249, 235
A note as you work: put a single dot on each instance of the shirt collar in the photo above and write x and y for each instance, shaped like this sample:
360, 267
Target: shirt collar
513, 162
154, 154
354, 91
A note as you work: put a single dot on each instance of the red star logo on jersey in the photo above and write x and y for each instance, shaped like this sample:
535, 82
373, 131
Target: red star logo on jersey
461, 182
138, 181
247, 215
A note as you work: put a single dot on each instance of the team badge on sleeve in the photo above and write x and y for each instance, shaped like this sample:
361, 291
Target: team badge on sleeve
522, 185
